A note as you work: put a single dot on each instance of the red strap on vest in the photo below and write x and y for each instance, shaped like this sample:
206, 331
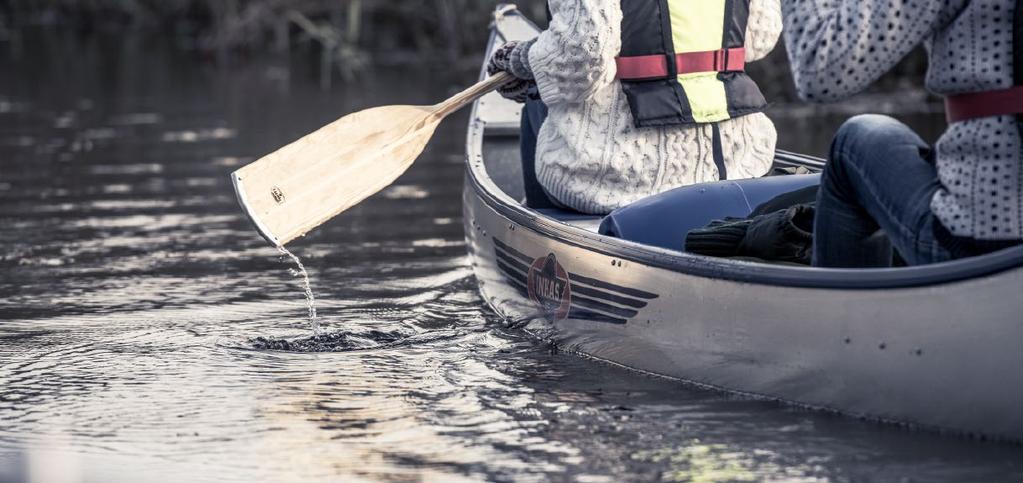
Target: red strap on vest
964, 107
645, 67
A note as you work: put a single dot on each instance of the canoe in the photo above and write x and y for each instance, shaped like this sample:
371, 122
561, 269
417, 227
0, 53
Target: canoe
935, 346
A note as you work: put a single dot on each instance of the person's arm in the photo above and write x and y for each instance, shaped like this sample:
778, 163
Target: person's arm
839, 47
763, 29
575, 57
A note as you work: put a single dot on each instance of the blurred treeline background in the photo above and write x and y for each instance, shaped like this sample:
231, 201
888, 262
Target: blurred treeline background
345, 32
344, 35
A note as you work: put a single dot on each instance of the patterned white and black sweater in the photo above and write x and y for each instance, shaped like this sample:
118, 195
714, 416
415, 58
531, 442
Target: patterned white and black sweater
839, 47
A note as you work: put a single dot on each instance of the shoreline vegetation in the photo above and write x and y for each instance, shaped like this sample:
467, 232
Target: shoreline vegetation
344, 36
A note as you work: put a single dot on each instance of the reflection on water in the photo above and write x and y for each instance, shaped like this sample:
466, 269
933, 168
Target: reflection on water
148, 333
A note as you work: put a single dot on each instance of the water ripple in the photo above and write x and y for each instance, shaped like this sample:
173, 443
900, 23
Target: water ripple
148, 334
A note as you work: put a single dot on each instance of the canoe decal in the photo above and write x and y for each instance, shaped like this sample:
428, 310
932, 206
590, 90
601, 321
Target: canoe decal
549, 287
584, 298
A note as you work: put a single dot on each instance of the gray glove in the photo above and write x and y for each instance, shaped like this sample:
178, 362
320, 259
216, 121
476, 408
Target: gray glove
513, 58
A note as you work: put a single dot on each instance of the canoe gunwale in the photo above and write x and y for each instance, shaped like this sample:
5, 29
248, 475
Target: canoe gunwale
751, 272
710, 267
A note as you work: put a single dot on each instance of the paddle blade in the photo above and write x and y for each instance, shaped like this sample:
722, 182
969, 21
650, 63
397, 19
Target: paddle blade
304, 184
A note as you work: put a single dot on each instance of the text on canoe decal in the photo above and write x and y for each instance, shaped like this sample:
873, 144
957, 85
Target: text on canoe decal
549, 287
588, 298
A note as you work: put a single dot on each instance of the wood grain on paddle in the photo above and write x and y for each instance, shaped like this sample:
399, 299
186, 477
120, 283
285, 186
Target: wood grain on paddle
304, 184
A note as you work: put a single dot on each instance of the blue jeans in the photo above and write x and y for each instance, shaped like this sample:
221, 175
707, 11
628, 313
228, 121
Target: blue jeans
881, 176
533, 115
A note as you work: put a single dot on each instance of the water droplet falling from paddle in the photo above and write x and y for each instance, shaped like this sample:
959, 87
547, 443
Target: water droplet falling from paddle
309, 298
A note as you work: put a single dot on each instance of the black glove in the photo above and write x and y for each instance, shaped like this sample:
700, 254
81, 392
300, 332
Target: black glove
720, 238
501, 61
781, 236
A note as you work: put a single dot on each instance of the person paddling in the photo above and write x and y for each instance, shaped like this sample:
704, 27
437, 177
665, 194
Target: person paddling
642, 96
962, 198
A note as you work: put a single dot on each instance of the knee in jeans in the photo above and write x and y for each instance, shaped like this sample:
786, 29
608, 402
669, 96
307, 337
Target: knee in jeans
866, 132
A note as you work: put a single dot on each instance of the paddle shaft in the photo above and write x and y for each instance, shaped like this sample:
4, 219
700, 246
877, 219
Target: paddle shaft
469, 95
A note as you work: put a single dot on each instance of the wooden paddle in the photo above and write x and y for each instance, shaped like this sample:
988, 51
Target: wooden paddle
304, 184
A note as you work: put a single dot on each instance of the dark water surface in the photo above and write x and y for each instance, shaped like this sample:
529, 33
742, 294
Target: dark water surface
132, 289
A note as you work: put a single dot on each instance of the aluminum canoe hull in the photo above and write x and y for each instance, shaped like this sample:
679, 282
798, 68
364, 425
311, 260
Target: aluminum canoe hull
925, 350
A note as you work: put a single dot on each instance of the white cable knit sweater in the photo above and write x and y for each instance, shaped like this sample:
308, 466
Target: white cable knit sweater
590, 155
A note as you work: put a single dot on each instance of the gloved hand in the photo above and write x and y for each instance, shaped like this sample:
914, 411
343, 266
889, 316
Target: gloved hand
511, 58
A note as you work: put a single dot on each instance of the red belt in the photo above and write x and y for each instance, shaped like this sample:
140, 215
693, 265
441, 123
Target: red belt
644, 67
1004, 102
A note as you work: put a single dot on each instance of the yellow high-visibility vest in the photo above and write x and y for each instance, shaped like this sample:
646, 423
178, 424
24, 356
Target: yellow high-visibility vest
683, 61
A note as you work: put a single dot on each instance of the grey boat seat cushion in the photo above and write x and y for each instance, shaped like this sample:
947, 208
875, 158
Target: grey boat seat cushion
663, 220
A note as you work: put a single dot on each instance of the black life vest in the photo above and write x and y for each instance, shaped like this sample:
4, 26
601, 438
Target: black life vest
683, 61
